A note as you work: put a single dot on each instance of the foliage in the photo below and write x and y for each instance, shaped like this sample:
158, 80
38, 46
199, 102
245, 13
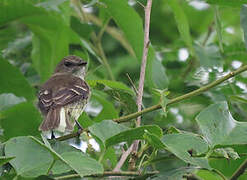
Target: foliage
203, 137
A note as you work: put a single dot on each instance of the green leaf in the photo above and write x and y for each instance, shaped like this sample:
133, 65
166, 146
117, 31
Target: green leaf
31, 160
156, 74
17, 9
4, 160
60, 167
74, 160
129, 22
60, 164
243, 18
27, 149
21, 119
8, 100
12, 81
106, 129
209, 56
182, 24
181, 143
209, 175
219, 127
163, 99
8, 34
83, 164
159, 76
133, 134
60, 148
47, 146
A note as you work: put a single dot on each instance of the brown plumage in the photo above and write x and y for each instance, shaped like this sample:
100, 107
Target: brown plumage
64, 95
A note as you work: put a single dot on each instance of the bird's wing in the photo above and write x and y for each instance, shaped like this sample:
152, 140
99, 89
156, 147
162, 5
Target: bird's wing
45, 100
67, 94
71, 94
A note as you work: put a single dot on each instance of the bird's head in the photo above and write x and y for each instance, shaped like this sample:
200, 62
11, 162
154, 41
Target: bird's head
72, 65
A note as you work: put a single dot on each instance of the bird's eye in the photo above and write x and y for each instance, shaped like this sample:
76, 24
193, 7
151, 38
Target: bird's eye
68, 64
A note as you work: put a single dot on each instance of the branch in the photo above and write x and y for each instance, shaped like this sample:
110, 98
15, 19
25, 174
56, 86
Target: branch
123, 158
183, 97
144, 59
109, 173
68, 136
134, 149
239, 171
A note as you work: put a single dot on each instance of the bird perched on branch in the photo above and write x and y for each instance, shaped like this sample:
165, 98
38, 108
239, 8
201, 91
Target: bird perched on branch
63, 97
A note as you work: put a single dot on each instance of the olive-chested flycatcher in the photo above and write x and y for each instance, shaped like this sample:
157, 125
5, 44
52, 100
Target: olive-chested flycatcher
63, 97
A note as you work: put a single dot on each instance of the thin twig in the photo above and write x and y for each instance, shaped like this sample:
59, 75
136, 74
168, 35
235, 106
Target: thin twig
70, 136
109, 173
132, 83
239, 171
147, 10
172, 101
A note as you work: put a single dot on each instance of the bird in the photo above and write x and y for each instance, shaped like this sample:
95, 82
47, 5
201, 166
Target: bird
63, 97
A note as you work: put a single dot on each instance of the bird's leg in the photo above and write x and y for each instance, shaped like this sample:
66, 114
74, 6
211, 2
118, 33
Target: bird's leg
79, 131
52, 135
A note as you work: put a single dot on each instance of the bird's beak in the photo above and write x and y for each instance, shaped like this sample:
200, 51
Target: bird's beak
83, 63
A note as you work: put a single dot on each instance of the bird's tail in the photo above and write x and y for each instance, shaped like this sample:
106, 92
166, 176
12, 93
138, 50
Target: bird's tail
51, 121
